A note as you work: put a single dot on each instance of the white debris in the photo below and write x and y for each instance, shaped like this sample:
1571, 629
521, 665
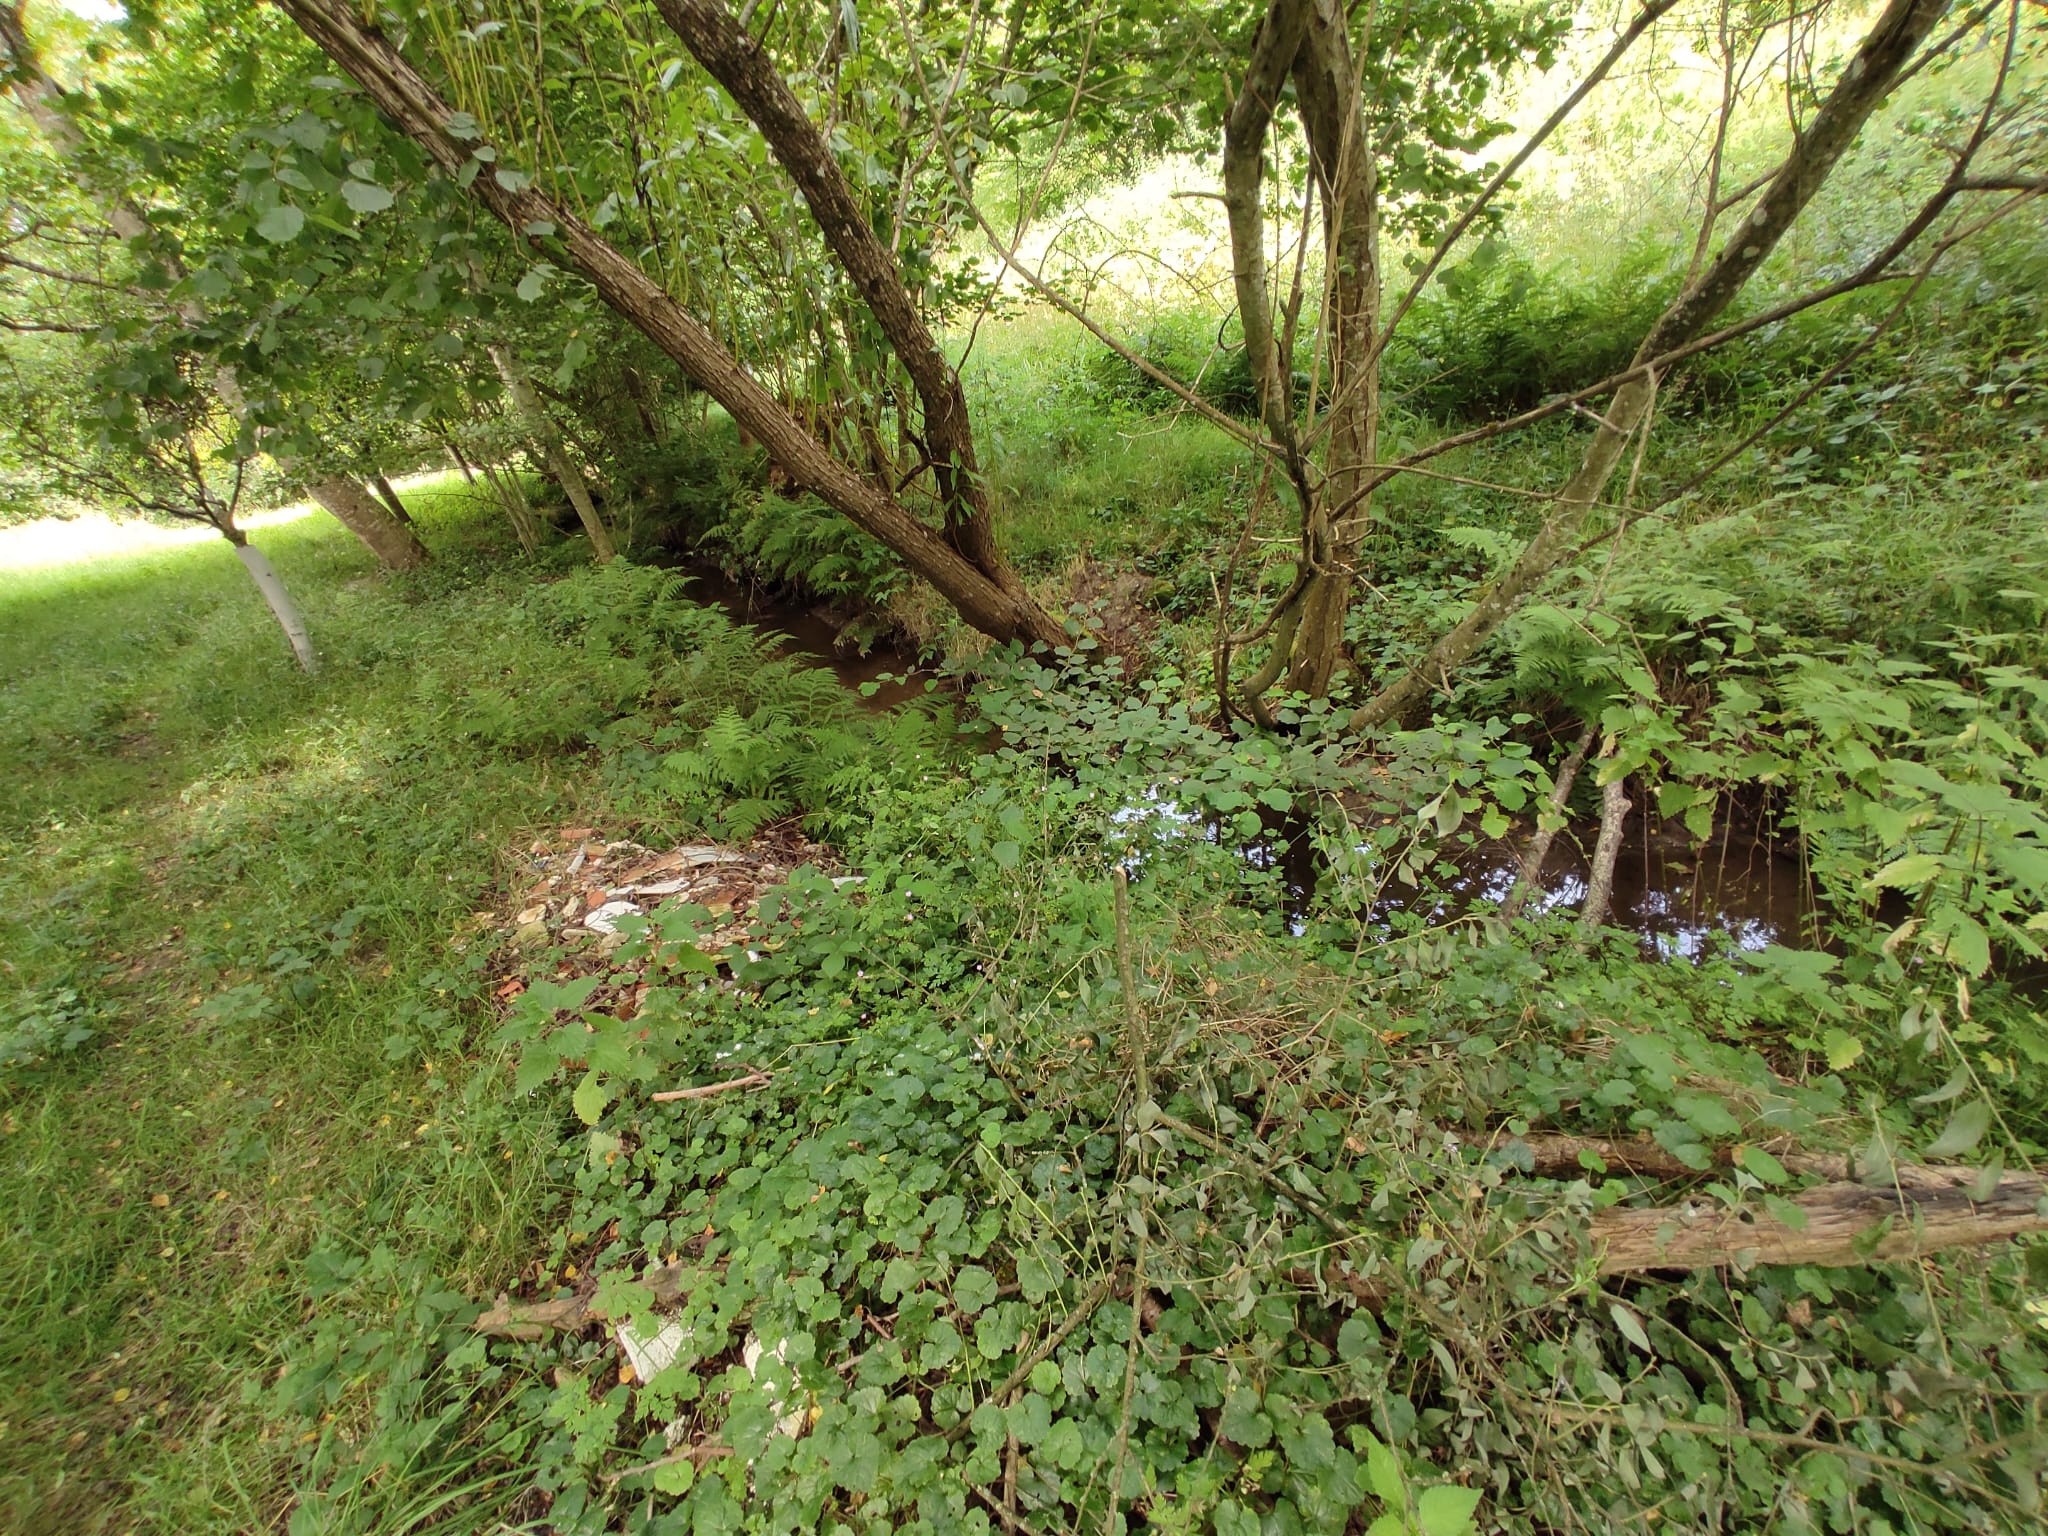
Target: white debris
751, 1355
651, 1354
606, 918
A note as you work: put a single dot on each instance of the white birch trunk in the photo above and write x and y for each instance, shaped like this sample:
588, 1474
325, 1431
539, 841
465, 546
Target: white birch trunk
271, 585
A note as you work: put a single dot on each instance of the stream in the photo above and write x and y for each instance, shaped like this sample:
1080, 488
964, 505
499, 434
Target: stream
1681, 900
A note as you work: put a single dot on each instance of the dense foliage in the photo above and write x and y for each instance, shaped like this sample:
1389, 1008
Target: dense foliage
1164, 1121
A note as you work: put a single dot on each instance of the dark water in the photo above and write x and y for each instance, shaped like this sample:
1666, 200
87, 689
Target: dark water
807, 632
1682, 901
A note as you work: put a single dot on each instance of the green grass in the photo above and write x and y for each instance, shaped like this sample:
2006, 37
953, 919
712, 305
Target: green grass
245, 883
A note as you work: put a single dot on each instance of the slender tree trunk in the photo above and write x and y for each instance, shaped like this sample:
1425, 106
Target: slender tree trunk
282, 608
461, 463
1306, 40
1332, 112
388, 494
999, 608
41, 98
561, 467
352, 505
1531, 874
512, 501
638, 392
1865, 82
738, 63
1614, 809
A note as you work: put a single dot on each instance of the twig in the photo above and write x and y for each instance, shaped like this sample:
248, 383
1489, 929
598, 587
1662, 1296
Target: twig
676, 1095
696, 1455
1095, 1297
1007, 1516
1260, 1171
1010, 1482
1134, 1021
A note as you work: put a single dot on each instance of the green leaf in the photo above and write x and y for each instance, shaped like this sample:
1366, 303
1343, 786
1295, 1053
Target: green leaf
1383, 1472
534, 284
1843, 1049
1446, 1510
675, 1477
1707, 1113
1756, 1161
1244, 1421
1908, 873
365, 197
973, 1288
1038, 1278
1966, 1127
1356, 1338
281, 224
1006, 854
1961, 939
590, 1098
1631, 1327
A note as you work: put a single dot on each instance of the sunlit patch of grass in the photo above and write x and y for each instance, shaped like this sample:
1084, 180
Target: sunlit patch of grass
238, 886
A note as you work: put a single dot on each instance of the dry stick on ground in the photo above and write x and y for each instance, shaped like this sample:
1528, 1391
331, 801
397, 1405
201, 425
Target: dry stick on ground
1546, 828
696, 1455
1134, 1042
1562, 1157
678, 1095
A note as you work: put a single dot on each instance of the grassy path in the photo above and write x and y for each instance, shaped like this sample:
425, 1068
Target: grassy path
230, 1015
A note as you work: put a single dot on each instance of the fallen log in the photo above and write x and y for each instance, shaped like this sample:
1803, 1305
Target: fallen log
1561, 1157
1920, 1211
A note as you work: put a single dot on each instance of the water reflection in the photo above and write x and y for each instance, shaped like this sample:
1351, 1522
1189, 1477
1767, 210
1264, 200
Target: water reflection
1683, 902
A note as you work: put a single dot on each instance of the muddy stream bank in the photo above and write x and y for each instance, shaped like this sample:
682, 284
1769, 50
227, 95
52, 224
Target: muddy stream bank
1681, 900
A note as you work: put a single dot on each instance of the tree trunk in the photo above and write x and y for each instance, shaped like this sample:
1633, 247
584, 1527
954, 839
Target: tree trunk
388, 494
1864, 84
271, 585
1306, 39
1614, 809
1333, 115
40, 98
391, 541
461, 463
518, 511
1000, 609
1838, 1225
1531, 874
738, 63
560, 465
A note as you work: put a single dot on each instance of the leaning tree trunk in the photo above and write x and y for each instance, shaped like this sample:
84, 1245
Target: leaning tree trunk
388, 494
561, 467
356, 509
1864, 84
989, 598
739, 63
282, 608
